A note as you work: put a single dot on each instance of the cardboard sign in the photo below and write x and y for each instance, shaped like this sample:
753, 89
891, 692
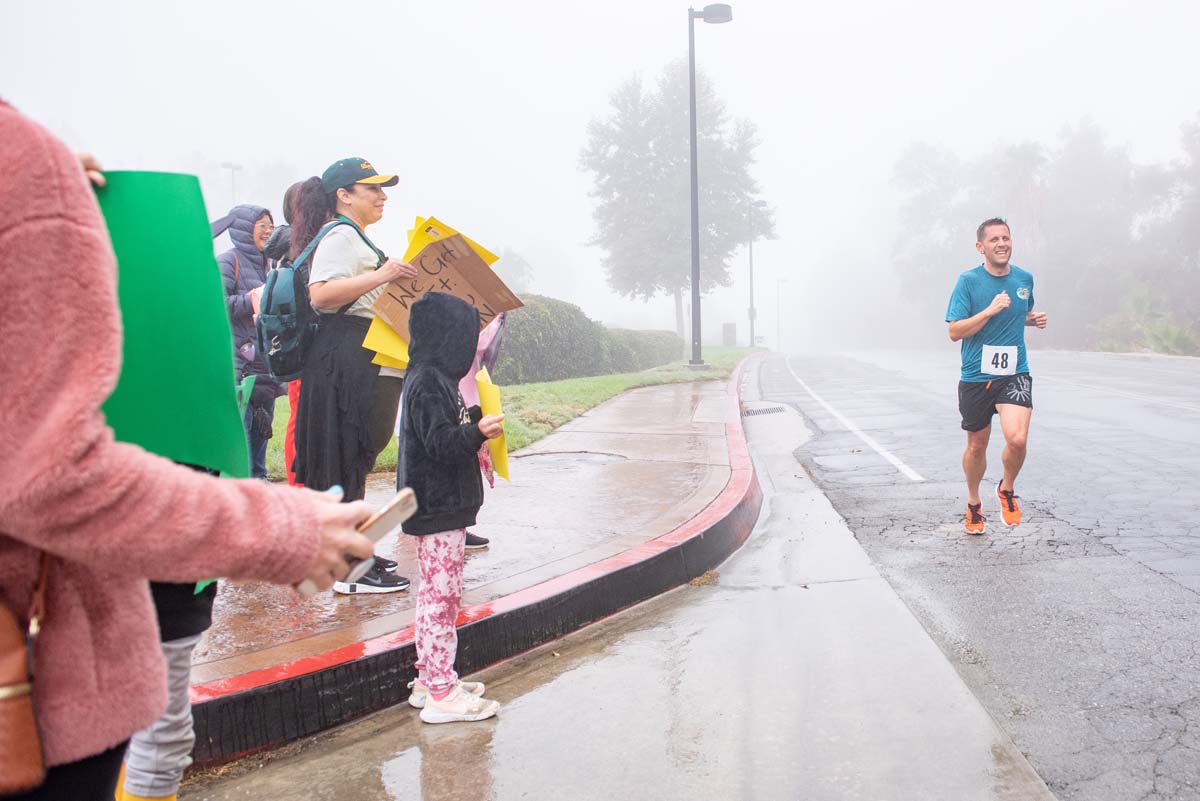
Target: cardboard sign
449, 265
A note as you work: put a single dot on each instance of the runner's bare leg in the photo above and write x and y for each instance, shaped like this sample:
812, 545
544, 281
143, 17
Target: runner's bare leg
975, 461
1014, 422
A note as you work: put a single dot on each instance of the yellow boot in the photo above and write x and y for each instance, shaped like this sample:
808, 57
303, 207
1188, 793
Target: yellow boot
121, 795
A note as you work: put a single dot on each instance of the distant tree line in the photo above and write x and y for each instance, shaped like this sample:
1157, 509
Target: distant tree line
1114, 245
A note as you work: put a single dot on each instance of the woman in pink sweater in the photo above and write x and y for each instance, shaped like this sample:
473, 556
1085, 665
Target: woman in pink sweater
109, 514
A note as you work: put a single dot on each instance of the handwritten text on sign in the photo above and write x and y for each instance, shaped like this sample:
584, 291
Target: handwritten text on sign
451, 266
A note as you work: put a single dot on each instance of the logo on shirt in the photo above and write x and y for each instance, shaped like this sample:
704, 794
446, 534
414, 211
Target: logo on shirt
1023, 293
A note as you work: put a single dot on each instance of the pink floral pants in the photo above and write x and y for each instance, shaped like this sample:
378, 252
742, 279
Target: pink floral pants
440, 560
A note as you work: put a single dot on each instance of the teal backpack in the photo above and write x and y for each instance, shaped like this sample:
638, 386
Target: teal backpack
287, 322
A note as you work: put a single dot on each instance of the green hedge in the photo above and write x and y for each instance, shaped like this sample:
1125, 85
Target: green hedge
549, 340
631, 351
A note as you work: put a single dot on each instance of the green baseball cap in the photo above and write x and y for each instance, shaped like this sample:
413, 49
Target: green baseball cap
354, 171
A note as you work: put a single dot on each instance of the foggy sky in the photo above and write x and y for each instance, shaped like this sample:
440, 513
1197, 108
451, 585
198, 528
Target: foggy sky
481, 107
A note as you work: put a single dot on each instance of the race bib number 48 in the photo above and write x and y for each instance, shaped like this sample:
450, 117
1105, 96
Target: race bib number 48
999, 360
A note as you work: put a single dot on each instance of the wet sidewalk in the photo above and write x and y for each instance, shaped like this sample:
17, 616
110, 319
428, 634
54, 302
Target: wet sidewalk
626, 472
792, 671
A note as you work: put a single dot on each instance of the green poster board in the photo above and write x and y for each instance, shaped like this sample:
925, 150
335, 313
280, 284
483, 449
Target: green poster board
175, 396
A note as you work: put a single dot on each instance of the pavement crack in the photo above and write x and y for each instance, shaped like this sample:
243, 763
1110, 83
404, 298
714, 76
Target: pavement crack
568, 453
803, 585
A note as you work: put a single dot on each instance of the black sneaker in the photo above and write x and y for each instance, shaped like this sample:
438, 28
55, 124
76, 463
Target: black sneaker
386, 565
375, 581
474, 542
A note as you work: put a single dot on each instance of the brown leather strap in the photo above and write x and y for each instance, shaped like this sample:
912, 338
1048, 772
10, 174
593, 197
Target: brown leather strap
237, 271
37, 609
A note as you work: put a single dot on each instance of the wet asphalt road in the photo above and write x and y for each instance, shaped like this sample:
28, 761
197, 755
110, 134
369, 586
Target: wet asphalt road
1079, 629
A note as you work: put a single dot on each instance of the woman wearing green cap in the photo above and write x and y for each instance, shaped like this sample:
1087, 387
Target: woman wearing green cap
347, 408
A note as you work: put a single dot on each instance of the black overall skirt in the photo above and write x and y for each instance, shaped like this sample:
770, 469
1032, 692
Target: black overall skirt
347, 411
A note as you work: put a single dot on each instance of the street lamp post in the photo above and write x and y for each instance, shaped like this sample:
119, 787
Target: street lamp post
752, 313
779, 282
715, 13
234, 169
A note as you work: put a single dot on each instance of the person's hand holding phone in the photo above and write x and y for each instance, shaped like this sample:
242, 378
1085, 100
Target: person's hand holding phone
339, 539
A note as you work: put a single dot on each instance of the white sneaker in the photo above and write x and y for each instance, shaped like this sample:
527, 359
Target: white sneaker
420, 692
459, 705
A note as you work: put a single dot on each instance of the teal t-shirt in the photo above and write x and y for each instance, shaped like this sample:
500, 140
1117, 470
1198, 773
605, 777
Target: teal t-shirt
997, 349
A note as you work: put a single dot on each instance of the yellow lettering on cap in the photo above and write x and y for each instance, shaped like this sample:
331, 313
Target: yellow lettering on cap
366, 165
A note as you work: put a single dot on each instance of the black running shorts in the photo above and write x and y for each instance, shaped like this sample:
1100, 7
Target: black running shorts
977, 399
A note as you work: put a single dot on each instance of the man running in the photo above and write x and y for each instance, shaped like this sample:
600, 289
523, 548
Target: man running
989, 309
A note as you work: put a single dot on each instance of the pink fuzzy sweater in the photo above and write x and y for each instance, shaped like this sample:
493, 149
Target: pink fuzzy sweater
110, 514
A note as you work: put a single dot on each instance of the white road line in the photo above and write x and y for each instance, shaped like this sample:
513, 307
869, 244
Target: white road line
865, 437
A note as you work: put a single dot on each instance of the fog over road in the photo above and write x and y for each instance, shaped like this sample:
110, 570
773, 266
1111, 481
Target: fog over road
1078, 630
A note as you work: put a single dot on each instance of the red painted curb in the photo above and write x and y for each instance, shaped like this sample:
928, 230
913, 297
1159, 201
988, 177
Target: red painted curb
741, 483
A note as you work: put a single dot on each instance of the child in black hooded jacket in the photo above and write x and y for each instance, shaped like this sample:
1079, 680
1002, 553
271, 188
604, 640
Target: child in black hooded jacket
439, 440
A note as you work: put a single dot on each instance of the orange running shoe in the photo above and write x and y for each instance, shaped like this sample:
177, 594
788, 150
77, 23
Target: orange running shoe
1010, 510
974, 523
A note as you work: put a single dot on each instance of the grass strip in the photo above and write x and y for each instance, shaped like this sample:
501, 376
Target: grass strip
531, 411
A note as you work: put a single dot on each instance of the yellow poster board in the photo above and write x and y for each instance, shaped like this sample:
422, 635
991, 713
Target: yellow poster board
390, 349
489, 403
427, 230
